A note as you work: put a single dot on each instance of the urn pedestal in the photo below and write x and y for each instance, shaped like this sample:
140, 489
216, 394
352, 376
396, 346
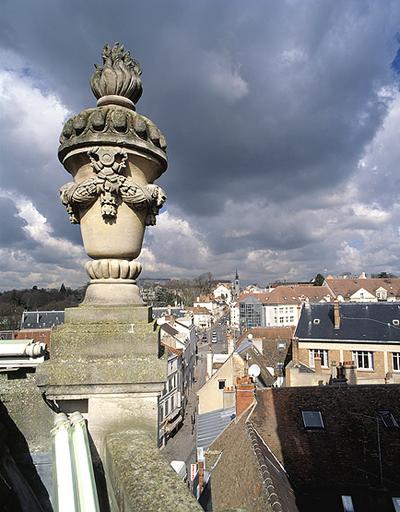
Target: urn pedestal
106, 360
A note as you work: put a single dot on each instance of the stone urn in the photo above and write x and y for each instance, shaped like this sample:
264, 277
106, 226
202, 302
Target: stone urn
114, 155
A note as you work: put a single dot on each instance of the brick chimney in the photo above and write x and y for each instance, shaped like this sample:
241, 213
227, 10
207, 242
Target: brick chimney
350, 372
336, 314
245, 389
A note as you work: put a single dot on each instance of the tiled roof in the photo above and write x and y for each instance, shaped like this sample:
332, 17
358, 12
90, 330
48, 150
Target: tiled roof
199, 310
347, 287
293, 294
258, 296
297, 294
173, 350
41, 319
361, 322
342, 458
272, 333
169, 329
245, 475
279, 492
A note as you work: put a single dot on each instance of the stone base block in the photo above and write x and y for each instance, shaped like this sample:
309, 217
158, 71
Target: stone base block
103, 346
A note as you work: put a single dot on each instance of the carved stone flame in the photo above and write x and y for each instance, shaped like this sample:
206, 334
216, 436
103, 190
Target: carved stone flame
119, 75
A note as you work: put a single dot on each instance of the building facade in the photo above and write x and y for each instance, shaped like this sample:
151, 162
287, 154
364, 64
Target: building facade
361, 337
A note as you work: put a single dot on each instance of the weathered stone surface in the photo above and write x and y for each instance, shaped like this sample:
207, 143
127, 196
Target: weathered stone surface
109, 314
113, 124
22, 404
139, 478
98, 345
114, 155
119, 74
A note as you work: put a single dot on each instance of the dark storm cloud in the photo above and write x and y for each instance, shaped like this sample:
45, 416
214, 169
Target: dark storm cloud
11, 232
264, 104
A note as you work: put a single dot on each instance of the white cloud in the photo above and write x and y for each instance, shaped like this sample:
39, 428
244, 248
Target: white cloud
32, 118
224, 77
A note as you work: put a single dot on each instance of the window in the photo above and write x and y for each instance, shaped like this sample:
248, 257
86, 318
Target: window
347, 504
316, 321
388, 419
396, 504
395, 321
396, 361
364, 360
312, 420
291, 319
221, 384
318, 352
281, 319
381, 294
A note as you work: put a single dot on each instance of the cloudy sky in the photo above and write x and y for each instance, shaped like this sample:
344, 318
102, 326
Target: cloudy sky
282, 120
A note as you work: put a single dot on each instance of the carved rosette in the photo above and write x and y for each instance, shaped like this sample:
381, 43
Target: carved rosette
114, 155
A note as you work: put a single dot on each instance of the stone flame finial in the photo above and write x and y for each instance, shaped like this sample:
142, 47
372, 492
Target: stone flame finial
119, 75
114, 155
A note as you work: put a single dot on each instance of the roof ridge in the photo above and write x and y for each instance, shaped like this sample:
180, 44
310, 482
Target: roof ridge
269, 487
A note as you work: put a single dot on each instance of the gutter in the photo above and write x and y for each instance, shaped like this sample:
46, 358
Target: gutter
28, 348
336, 340
74, 487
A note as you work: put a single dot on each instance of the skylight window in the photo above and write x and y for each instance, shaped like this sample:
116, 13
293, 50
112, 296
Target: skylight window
312, 420
395, 321
388, 419
316, 321
347, 503
396, 504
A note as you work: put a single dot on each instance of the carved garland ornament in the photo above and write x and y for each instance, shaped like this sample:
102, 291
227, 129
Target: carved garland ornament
112, 188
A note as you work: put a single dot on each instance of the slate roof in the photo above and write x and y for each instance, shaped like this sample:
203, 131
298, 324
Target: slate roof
361, 322
41, 319
159, 312
249, 353
211, 424
169, 329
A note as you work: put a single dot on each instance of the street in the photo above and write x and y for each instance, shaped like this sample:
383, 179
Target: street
182, 446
